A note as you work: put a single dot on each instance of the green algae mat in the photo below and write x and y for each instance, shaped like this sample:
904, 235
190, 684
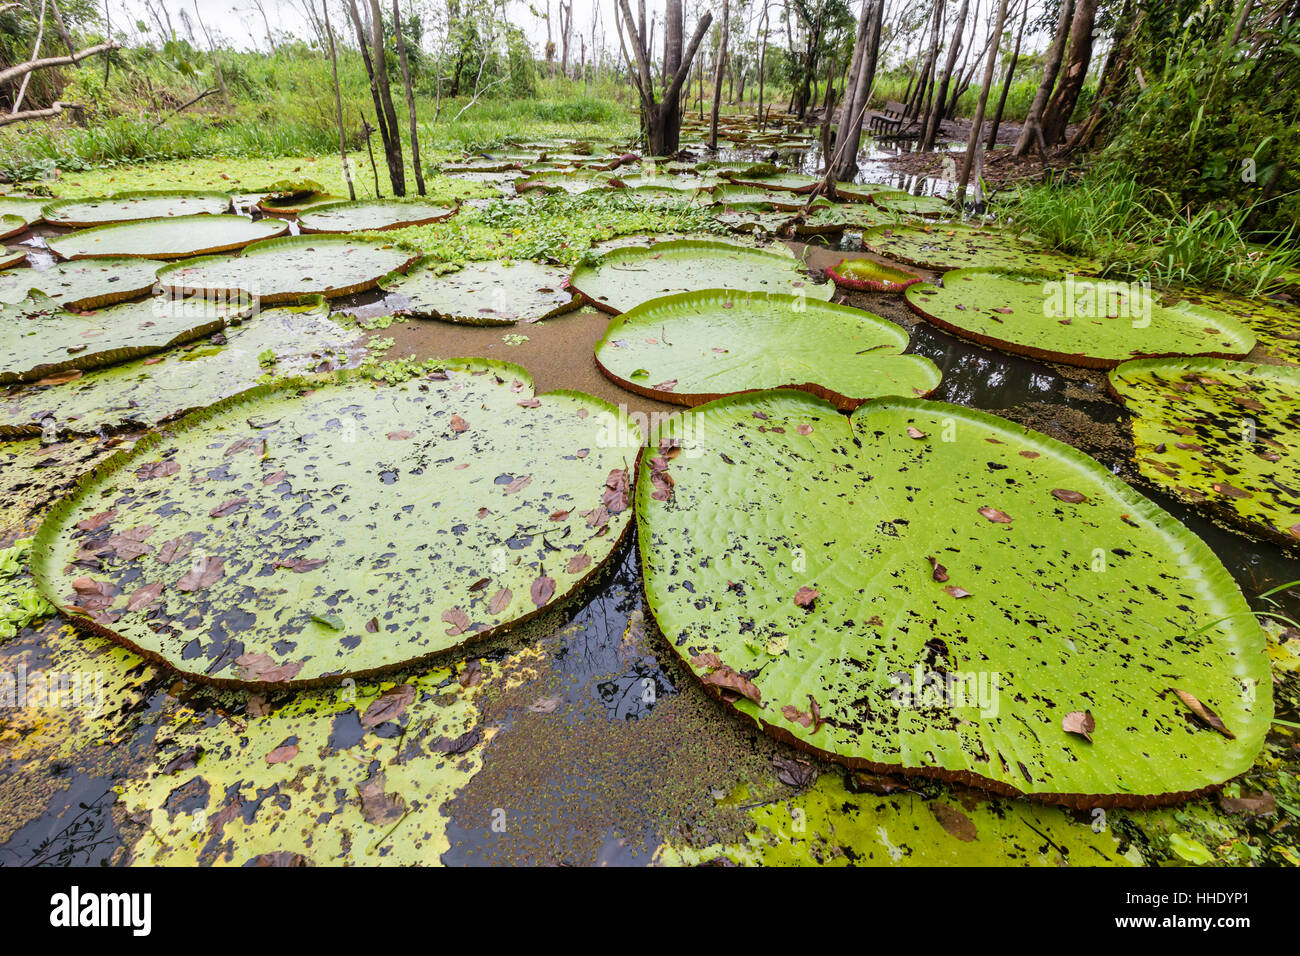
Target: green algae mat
131, 206
694, 347
308, 531
930, 589
83, 283
956, 246
285, 269
147, 392
1086, 322
38, 339
483, 293
1219, 435
167, 238
624, 278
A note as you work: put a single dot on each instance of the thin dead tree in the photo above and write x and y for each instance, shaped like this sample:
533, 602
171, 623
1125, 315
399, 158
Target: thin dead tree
36, 52
265, 22
663, 118
1007, 77
212, 49
844, 164
1031, 134
385, 115
935, 117
410, 98
338, 103
977, 124
719, 67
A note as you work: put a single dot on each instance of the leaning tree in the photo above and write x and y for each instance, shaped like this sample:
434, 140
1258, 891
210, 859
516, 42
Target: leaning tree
662, 119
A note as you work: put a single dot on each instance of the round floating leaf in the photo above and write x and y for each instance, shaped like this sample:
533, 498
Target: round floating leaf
173, 238
694, 347
291, 204
960, 247
302, 533
147, 392
927, 588
15, 256
624, 278
280, 270
898, 201
1224, 435
38, 339
861, 192
133, 206
1088, 322
11, 225
1276, 324
785, 182
832, 220
370, 215
484, 293
83, 283
865, 275
26, 208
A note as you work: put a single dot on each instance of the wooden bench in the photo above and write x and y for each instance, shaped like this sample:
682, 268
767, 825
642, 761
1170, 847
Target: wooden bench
889, 119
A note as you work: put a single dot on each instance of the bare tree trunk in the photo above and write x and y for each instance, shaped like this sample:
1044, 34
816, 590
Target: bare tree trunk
941, 93
410, 99
718, 73
927, 71
977, 124
265, 22
1057, 114
663, 119
1114, 81
338, 103
216, 65
1031, 133
762, 63
1006, 80
370, 68
61, 27
36, 52
850, 135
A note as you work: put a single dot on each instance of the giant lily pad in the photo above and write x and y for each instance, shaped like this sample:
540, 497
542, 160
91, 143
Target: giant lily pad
26, 208
624, 278
12, 257
1276, 323
785, 182
11, 225
38, 339
931, 589
280, 270
302, 533
694, 347
173, 238
371, 215
83, 283
1074, 321
484, 293
1219, 434
898, 201
957, 246
143, 393
867, 275
133, 206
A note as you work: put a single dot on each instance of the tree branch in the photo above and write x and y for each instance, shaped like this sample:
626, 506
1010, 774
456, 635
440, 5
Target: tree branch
22, 69
684, 68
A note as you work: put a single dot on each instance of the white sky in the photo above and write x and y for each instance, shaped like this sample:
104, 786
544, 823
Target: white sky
238, 22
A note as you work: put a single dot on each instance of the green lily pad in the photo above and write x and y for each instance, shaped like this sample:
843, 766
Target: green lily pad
930, 589
383, 793
83, 283
694, 347
785, 182
12, 257
133, 206
422, 516
832, 220
484, 293
866, 275
11, 225
37, 338
898, 201
292, 204
956, 246
1276, 324
862, 192
281, 270
26, 208
838, 827
147, 392
371, 215
751, 222
624, 278
1075, 321
173, 238
1219, 434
